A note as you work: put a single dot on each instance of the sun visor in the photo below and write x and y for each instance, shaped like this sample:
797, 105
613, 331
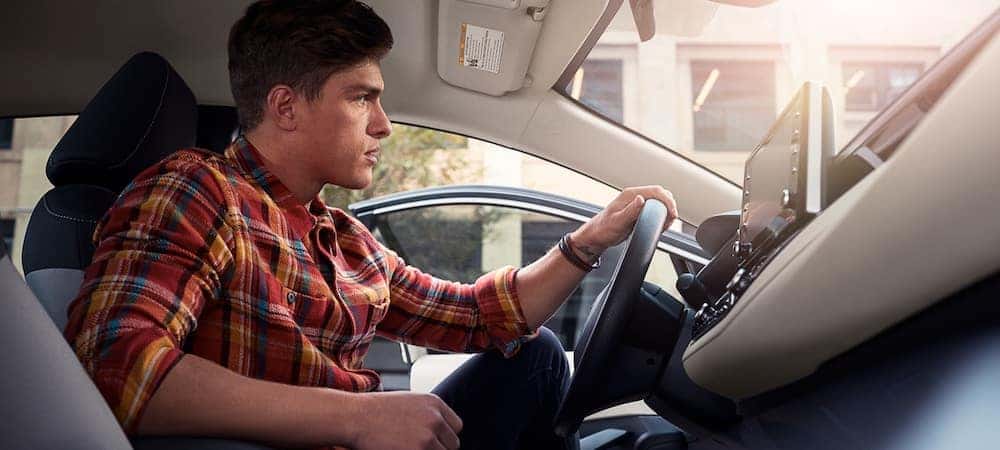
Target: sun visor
486, 45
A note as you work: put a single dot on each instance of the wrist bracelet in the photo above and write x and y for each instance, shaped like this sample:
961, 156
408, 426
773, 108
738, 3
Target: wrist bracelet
566, 249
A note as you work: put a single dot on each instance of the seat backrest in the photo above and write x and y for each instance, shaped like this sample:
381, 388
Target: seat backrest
217, 127
142, 114
48, 400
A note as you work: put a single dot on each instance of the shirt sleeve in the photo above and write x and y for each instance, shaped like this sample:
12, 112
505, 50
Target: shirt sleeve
160, 252
450, 316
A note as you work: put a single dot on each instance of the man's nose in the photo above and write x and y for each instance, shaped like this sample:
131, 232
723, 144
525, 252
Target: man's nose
380, 127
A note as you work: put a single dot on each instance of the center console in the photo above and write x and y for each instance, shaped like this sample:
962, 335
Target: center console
811, 287
784, 188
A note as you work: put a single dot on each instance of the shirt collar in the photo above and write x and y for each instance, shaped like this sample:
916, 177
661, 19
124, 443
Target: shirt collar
251, 163
249, 159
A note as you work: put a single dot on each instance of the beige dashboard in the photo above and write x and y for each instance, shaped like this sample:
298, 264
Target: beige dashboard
923, 225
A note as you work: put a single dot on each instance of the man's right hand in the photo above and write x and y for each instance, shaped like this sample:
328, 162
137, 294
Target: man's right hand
201, 398
406, 420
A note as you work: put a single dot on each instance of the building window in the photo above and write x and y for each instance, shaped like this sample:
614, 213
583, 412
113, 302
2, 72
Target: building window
733, 103
870, 86
6, 133
598, 84
7, 233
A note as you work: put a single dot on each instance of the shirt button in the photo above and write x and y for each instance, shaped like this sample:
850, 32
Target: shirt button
290, 297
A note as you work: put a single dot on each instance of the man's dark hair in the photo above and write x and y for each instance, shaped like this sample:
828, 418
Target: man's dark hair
299, 43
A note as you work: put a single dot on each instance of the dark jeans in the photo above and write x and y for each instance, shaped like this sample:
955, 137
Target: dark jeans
510, 403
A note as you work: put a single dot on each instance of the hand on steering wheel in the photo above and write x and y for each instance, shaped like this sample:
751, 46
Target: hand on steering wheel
616, 221
605, 329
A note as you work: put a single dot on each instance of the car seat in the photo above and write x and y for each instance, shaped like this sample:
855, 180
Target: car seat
142, 114
48, 400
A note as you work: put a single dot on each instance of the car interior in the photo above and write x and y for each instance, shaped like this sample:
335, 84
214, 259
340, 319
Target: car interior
837, 298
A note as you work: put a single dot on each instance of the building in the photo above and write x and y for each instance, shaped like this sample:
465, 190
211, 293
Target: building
29, 142
713, 96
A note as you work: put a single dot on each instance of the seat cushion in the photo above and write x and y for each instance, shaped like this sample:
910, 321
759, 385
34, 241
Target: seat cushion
48, 400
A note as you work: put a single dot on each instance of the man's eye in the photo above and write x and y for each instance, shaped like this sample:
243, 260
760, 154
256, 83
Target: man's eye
362, 99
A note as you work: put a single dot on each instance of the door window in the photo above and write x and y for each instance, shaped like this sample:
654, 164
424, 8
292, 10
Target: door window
461, 242
415, 158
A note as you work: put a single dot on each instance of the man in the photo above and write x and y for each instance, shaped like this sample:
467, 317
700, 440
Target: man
225, 299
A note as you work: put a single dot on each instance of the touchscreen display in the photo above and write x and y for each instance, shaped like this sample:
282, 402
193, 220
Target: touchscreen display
783, 181
770, 183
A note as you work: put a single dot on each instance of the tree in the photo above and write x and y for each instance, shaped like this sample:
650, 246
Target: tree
411, 158
444, 240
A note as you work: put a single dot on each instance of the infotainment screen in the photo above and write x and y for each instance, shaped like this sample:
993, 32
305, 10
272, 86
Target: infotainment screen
784, 181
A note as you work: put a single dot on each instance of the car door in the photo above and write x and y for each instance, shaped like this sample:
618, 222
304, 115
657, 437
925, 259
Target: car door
460, 232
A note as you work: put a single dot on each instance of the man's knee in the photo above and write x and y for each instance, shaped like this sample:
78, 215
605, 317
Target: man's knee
549, 340
547, 346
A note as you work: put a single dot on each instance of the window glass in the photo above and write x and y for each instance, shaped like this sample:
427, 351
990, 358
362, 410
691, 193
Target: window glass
6, 133
7, 232
734, 103
711, 93
415, 158
25, 145
603, 89
870, 86
461, 242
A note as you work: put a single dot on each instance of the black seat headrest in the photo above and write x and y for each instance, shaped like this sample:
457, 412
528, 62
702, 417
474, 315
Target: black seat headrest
142, 114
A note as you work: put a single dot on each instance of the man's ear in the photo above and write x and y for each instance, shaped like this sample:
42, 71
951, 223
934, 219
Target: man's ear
281, 107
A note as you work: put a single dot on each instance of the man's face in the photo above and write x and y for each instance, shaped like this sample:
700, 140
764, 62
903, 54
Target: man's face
341, 128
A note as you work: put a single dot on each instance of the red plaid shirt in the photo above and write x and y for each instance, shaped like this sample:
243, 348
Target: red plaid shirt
212, 256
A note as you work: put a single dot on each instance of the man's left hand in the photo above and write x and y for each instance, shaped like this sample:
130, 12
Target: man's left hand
613, 225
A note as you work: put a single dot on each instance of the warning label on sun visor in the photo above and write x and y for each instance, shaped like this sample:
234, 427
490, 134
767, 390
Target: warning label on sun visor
480, 48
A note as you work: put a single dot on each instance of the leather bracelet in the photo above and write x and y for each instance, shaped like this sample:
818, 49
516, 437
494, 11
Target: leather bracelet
565, 247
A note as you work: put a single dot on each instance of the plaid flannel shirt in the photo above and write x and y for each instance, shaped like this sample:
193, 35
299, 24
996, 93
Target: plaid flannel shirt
212, 256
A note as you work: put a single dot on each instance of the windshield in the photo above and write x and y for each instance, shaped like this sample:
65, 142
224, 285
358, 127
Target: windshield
711, 93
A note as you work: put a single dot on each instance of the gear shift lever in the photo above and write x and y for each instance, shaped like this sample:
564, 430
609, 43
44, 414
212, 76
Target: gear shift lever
692, 290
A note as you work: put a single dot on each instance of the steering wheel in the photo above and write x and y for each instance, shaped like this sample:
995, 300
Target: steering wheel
605, 329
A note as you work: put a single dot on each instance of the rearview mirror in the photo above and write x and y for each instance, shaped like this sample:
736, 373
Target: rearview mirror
677, 17
745, 3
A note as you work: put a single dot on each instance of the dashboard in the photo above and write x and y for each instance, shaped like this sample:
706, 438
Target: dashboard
783, 189
830, 248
